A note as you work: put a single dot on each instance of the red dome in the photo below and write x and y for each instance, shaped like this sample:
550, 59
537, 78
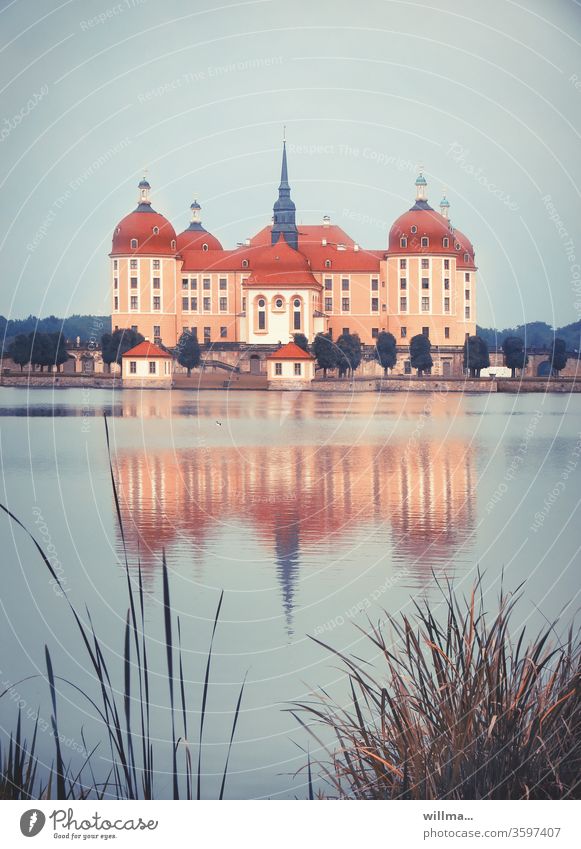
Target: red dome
195, 239
153, 232
278, 264
427, 223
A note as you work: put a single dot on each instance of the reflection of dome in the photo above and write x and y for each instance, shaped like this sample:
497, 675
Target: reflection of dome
196, 237
144, 231
278, 264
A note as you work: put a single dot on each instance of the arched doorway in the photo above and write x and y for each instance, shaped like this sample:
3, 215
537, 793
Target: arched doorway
544, 369
255, 364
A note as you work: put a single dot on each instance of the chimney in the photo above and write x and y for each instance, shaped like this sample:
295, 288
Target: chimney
326, 220
247, 242
355, 247
324, 243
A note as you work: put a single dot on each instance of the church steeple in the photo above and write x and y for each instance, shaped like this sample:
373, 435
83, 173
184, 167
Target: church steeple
284, 210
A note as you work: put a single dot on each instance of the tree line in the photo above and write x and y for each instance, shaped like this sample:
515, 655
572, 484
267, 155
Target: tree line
38, 349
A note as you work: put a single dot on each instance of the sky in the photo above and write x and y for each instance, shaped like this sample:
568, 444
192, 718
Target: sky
486, 96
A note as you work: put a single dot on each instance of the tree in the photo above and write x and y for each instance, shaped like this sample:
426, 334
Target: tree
188, 351
515, 355
420, 356
476, 355
301, 340
349, 345
20, 350
325, 352
114, 345
59, 350
558, 355
42, 349
385, 350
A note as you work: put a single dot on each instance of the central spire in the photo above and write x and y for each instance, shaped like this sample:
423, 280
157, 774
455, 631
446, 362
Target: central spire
284, 210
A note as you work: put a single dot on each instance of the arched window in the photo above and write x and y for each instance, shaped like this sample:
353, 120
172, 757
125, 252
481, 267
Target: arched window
403, 242
296, 314
156, 231
261, 314
446, 242
244, 263
457, 246
173, 244
327, 263
466, 257
425, 241
134, 243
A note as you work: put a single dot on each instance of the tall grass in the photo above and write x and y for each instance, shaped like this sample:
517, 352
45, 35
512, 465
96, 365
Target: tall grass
124, 710
455, 708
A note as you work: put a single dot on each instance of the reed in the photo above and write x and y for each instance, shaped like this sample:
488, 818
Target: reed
455, 707
124, 711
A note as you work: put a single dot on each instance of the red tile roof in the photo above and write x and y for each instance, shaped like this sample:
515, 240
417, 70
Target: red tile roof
290, 351
146, 349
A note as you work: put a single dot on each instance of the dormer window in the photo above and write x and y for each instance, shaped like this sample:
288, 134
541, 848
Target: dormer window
156, 231
446, 242
403, 242
327, 263
466, 257
457, 246
133, 244
414, 229
425, 241
173, 244
204, 247
244, 263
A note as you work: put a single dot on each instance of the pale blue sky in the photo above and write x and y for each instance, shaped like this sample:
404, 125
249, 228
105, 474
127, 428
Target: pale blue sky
483, 94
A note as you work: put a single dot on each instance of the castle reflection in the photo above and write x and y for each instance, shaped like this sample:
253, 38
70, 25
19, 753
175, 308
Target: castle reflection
416, 498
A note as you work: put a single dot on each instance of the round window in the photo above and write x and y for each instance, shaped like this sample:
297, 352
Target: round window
261, 303
414, 229
278, 303
297, 304
156, 231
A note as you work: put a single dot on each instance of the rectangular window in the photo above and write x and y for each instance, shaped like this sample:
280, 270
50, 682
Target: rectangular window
185, 304
156, 265
297, 320
116, 283
426, 331
278, 369
134, 282
133, 367
193, 283
262, 320
446, 333
374, 332
403, 332
447, 264
134, 302
425, 263
156, 283
425, 241
374, 285
157, 303
115, 264
193, 304
194, 332
467, 277
467, 294
403, 304
223, 304
467, 312
446, 282
157, 331
345, 284
223, 283
375, 305
425, 282
345, 331
133, 264
207, 306
345, 304
134, 327
446, 304
153, 367
116, 303
298, 369
328, 283
403, 283
425, 304
223, 332
207, 282
328, 304
403, 263
207, 334
407, 367
184, 282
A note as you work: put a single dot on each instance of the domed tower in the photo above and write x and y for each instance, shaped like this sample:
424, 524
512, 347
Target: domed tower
143, 263
431, 274
196, 237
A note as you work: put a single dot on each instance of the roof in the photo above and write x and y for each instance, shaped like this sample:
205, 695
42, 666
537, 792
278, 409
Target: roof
280, 265
290, 351
146, 349
142, 224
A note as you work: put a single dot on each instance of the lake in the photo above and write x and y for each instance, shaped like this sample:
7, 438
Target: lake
311, 511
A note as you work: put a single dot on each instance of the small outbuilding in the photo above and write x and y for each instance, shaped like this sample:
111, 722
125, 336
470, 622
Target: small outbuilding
147, 367
291, 367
